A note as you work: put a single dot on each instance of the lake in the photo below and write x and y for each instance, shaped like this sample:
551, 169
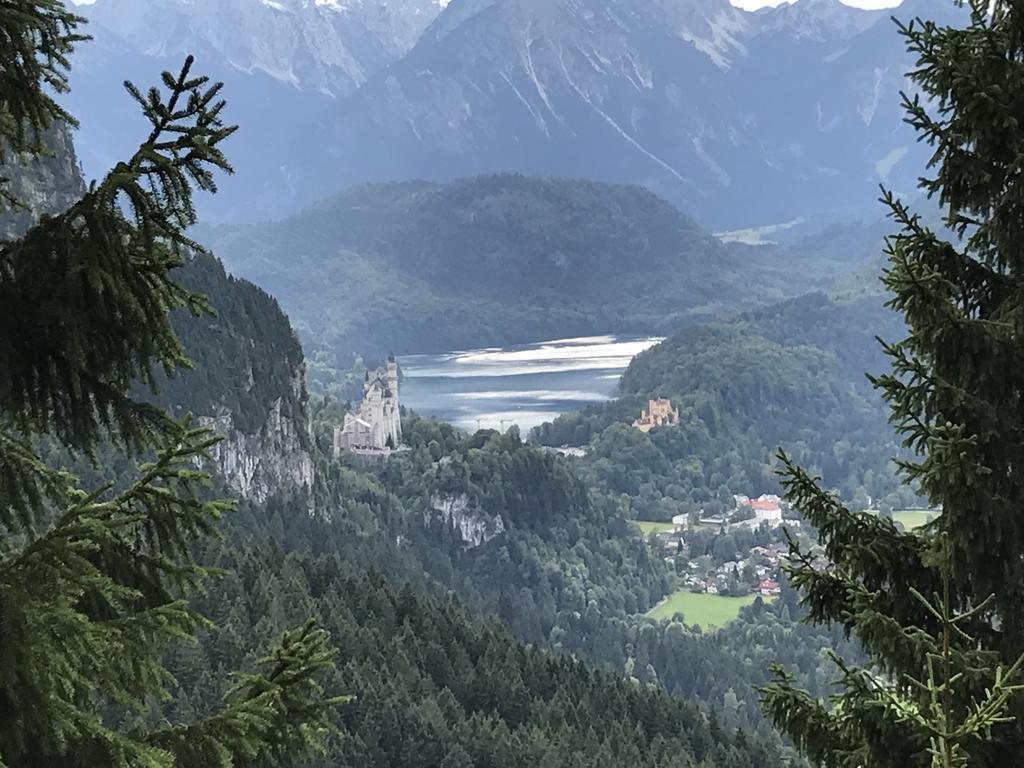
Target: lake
525, 385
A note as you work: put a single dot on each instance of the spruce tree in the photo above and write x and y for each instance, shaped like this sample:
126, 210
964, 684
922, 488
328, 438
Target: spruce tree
938, 610
94, 583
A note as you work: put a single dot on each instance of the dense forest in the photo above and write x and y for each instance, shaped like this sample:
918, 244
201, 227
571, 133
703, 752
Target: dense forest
793, 376
528, 547
435, 686
508, 528
561, 568
514, 533
245, 356
435, 683
387, 573
422, 267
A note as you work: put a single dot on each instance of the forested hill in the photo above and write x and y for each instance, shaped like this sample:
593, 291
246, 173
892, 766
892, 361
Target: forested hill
436, 687
417, 267
246, 358
793, 375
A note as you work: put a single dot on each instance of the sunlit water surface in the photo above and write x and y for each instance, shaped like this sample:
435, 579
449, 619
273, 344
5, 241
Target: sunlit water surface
524, 385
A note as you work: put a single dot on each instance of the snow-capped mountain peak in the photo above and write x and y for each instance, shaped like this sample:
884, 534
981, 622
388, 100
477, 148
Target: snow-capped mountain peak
815, 19
331, 46
716, 28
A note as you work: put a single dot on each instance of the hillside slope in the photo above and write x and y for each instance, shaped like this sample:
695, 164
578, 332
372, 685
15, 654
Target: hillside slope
421, 267
436, 687
790, 376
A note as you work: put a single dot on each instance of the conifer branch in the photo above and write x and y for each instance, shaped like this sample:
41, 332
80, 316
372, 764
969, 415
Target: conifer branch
99, 595
105, 265
266, 716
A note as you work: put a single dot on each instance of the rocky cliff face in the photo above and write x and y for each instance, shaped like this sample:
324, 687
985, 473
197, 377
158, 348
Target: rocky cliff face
247, 383
47, 185
275, 459
468, 522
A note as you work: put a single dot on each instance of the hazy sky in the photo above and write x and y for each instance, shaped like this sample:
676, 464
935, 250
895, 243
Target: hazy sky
752, 4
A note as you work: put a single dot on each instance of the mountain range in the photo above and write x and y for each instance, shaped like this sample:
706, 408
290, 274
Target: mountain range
328, 46
740, 119
283, 62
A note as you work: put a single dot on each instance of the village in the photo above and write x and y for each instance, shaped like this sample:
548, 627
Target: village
726, 561
755, 573
716, 570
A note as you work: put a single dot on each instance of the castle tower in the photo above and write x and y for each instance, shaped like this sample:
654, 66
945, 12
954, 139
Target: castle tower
395, 416
392, 375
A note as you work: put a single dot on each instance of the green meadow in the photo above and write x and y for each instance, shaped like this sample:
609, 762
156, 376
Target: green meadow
707, 611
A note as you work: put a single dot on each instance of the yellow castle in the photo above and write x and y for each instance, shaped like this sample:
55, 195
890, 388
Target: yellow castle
659, 413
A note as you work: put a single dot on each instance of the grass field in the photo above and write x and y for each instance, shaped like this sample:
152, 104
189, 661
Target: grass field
649, 528
709, 611
912, 518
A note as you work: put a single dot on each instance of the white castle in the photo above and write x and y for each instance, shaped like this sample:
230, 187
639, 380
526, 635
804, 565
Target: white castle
376, 427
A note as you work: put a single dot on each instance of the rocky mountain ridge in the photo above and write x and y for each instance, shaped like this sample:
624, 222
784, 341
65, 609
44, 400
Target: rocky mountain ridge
741, 119
738, 118
282, 62
316, 45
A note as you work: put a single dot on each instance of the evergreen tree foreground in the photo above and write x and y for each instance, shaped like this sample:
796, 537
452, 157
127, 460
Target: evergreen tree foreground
938, 610
94, 583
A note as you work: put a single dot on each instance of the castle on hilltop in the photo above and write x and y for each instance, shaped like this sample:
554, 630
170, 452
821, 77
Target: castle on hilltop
376, 426
659, 413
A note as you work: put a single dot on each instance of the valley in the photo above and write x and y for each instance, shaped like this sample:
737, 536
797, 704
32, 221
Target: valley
523, 384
